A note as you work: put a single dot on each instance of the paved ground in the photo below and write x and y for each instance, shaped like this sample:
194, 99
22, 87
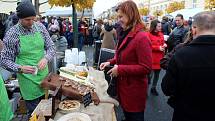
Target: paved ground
156, 109
89, 54
20, 118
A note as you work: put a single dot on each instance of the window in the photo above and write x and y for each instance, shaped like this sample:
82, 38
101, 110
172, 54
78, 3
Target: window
195, 3
157, 7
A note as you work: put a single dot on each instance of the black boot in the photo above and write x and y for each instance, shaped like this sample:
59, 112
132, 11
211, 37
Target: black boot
154, 92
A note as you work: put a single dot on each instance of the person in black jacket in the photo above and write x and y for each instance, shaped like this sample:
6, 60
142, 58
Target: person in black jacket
178, 33
165, 60
2, 29
189, 79
166, 27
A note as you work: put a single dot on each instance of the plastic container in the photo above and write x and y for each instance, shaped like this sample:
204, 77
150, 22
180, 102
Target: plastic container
81, 57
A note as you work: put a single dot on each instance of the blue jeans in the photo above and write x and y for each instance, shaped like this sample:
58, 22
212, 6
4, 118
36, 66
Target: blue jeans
80, 41
5, 74
69, 38
134, 116
32, 104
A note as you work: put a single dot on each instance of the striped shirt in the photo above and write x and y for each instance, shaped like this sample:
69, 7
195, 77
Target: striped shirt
12, 44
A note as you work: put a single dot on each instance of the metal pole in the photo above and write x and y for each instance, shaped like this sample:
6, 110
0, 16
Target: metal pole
75, 26
148, 6
36, 4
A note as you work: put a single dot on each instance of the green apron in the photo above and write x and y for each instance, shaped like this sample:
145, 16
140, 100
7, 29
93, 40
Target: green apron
31, 52
6, 113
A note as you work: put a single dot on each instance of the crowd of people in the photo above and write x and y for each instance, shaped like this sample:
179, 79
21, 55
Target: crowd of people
187, 57
141, 52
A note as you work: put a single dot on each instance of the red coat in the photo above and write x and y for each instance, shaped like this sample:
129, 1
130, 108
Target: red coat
157, 41
64, 27
134, 64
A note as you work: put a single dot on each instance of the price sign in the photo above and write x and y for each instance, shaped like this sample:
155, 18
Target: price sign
87, 99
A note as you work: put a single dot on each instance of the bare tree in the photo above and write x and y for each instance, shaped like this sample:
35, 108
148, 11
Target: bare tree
8, 1
37, 5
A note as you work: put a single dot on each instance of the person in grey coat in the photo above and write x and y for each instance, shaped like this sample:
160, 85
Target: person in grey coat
108, 36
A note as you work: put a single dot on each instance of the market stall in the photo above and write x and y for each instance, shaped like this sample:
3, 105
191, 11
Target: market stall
79, 93
189, 12
66, 11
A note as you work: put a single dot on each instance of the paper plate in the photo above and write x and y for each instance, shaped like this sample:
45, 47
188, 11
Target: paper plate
75, 117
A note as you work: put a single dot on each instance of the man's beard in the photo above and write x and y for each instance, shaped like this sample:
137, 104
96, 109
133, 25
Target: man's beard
27, 27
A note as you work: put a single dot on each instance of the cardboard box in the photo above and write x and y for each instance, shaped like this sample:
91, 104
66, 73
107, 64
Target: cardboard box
22, 107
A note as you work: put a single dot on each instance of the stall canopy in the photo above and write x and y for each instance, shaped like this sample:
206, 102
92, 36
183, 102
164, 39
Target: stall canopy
65, 12
187, 12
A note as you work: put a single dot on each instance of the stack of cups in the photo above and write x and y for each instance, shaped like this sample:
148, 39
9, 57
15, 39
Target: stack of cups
75, 56
68, 54
81, 57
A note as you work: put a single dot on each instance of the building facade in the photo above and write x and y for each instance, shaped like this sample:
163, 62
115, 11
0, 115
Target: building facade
163, 4
155, 5
6, 7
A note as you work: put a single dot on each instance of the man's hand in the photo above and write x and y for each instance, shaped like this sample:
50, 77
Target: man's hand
42, 64
27, 69
114, 71
1, 45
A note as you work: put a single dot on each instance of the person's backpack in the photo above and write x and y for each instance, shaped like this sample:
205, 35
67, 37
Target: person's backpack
164, 62
96, 31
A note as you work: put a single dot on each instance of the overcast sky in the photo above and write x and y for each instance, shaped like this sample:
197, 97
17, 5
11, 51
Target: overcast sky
102, 5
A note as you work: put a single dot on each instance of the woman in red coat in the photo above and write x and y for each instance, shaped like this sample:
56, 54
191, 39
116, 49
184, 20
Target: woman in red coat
132, 62
158, 48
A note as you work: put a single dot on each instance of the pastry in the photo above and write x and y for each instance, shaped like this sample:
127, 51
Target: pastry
82, 73
69, 105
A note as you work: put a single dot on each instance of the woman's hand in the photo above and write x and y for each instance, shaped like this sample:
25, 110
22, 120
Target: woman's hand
162, 48
103, 65
164, 45
114, 71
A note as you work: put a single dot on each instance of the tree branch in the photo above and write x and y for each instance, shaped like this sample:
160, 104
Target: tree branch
8, 1
43, 2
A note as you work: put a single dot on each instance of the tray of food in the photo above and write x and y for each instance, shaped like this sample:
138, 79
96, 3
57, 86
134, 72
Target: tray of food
70, 88
68, 106
79, 75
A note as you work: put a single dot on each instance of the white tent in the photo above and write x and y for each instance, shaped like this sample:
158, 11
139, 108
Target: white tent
187, 12
65, 12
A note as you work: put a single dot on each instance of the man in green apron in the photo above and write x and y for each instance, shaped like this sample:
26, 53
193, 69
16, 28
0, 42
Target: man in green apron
28, 48
6, 113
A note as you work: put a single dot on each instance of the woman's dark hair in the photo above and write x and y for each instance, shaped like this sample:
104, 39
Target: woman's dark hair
188, 37
153, 26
